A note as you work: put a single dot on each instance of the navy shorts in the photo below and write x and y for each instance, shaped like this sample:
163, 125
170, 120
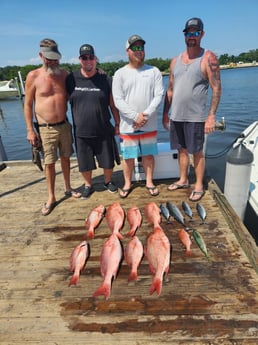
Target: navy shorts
187, 135
89, 148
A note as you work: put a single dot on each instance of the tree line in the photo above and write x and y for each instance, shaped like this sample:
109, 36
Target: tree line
11, 72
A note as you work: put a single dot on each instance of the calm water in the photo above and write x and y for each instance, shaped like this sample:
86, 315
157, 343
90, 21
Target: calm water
239, 107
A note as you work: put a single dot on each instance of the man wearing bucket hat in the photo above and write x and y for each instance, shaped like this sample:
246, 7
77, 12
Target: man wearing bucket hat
138, 91
191, 74
46, 96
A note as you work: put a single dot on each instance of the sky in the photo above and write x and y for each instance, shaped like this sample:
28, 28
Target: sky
231, 27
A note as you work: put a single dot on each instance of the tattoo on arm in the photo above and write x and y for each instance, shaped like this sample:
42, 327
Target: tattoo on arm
213, 65
215, 82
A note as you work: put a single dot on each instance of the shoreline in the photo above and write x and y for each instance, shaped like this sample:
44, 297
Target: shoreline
229, 66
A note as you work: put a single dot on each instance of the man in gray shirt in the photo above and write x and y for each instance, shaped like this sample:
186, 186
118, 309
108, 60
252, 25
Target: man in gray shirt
191, 74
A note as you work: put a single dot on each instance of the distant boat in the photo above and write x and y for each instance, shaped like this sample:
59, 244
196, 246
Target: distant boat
8, 89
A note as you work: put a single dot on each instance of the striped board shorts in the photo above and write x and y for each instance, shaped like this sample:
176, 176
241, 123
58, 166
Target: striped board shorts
134, 145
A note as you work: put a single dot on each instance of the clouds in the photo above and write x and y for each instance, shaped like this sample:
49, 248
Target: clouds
107, 24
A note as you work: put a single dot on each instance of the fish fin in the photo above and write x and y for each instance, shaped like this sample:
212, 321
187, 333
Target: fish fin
104, 289
133, 276
156, 286
74, 280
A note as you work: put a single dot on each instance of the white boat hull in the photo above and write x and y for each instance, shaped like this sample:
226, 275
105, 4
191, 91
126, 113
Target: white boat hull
8, 89
8, 94
251, 142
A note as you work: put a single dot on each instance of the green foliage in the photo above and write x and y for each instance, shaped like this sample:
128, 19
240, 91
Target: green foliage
251, 56
11, 72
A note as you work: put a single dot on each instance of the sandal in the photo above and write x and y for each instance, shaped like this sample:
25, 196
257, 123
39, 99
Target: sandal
198, 194
125, 191
175, 186
153, 191
47, 209
72, 193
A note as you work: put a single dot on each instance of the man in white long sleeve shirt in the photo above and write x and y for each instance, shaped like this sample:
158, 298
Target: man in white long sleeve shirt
137, 91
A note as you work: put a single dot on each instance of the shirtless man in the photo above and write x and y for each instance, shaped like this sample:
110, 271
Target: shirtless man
46, 98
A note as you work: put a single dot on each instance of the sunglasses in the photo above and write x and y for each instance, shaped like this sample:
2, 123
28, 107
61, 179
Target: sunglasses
192, 34
87, 57
137, 48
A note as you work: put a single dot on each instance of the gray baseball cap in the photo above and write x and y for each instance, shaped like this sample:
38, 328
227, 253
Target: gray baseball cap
195, 23
132, 39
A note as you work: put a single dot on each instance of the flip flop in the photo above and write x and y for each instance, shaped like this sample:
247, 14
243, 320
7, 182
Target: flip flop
125, 191
151, 190
72, 193
200, 195
175, 186
47, 209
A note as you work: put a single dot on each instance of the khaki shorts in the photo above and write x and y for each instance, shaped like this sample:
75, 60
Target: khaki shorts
56, 140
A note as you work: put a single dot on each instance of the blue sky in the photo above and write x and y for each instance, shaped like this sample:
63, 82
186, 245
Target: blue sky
231, 27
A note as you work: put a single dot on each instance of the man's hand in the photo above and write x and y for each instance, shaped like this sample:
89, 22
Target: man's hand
141, 120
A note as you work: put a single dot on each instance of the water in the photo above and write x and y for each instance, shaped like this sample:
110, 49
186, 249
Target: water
239, 107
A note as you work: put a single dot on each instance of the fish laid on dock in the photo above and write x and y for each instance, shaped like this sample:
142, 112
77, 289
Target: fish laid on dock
201, 212
187, 209
133, 256
186, 240
115, 216
111, 256
152, 213
78, 260
200, 242
164, 211
175, 213
157, 252
134, 219
94, 219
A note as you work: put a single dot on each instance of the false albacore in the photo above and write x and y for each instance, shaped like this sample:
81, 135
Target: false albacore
176, 213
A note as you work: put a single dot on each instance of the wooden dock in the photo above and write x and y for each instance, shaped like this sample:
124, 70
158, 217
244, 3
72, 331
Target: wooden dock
202, 302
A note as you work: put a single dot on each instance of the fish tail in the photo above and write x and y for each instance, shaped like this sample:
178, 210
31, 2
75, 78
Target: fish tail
104, 289
90, 234
188, 252
74, 280
133, 276
121, 237
156, 286
131, 232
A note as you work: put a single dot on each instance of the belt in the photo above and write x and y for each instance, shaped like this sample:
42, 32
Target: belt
52, 124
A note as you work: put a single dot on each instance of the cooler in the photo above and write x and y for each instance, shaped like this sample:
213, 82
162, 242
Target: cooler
166, 164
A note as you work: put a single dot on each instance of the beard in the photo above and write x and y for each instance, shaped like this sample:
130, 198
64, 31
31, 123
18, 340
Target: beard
52, 70
191, 43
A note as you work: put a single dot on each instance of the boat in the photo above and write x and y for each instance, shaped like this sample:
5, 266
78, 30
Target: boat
241, 181
8, 89
250, 140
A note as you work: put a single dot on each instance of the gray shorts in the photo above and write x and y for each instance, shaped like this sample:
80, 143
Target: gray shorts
187, 135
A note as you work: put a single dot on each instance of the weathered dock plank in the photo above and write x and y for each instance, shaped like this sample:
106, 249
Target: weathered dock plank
202, 302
